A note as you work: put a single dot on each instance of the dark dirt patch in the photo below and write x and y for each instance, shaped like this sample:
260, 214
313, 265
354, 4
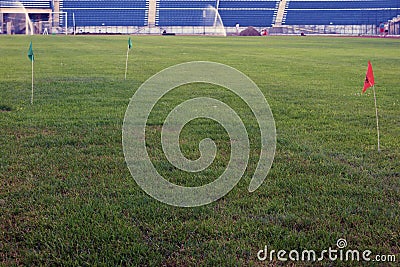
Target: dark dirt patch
250, 31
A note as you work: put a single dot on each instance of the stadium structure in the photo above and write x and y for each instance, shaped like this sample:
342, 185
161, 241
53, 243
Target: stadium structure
198, 16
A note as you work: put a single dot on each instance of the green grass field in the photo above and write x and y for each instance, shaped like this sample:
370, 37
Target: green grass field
67, 197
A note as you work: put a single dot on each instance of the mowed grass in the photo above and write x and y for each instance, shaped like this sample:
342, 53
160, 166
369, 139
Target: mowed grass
66, 194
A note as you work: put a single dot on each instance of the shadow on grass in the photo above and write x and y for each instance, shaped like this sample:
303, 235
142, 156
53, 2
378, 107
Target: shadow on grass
5, 108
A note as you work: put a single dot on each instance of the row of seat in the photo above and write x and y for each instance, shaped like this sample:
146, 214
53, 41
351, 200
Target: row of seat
237, 4
257, 18
347, 12
26, 3
107, 17
101, 4
192, 13
197, 17
338, 17
360, 4
258, 13
105, 12
240, 4
173, 4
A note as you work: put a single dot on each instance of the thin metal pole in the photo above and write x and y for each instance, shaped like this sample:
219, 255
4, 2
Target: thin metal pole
73, 22
32, 85
377, 120
66, 23
126, 63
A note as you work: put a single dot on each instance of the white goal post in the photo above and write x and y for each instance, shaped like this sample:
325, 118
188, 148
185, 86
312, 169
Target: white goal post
57, 24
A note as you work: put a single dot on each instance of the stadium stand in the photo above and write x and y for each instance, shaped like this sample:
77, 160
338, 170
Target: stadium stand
182, 13
106, 12
324, 12
136, 14
190, 13
248, 13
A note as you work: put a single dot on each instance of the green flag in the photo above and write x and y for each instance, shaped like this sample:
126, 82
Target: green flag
30, 53
129, 43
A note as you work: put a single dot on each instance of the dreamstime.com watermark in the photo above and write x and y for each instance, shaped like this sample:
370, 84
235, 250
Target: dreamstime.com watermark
147, 96
339, 253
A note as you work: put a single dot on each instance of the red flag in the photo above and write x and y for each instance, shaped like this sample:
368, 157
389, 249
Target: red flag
369, 78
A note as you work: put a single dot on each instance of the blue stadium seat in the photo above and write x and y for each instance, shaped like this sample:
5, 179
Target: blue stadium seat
257, 18
27, 3
178, 17
242, 4
325, 12
182, 4
190, 13
111, 17
99, 4
106, 12
182, 13
364, 4
259, 13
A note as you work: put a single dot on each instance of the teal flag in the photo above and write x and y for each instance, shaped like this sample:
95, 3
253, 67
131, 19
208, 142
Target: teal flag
30, 53
129, 43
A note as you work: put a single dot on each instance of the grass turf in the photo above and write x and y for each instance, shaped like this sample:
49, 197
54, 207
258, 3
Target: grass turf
67, 197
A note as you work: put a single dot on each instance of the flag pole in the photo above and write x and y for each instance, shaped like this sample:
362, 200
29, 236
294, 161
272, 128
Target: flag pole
126, 63
32, 85
377, 118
